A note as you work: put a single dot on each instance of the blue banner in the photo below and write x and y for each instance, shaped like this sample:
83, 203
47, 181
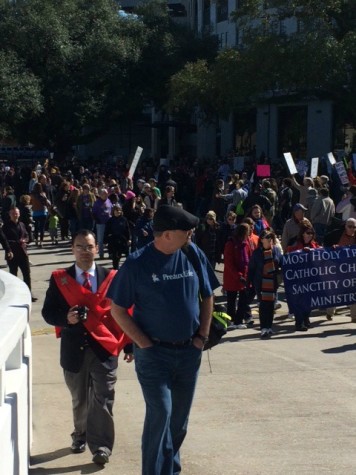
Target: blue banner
319, 278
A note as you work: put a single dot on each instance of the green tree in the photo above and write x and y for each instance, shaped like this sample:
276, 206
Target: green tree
20, 94
79, 50
92, 65
316, 59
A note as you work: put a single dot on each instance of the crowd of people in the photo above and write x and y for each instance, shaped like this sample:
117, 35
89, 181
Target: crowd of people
173, 227
120, 210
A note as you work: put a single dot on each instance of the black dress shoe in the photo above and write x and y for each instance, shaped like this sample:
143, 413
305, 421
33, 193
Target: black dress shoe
78, 446
100, 457
301, 328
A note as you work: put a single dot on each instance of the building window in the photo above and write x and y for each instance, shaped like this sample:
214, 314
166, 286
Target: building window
222, 10
206, 13
292, 130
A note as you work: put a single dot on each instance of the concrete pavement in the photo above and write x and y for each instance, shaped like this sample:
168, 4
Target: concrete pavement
282, 406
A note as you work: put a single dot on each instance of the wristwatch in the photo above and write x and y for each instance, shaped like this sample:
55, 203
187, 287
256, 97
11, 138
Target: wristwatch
202, 338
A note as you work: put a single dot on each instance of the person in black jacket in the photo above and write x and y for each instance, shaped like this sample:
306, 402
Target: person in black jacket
5, 245
8, 201
117, 235
89, 351
17, 237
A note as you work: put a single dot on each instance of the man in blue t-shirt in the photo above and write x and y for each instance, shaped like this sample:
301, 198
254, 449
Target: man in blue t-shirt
169, 327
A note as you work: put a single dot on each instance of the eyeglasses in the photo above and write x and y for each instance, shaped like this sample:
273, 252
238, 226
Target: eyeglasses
89, 248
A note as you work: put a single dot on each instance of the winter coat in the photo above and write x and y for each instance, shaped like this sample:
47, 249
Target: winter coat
236, 258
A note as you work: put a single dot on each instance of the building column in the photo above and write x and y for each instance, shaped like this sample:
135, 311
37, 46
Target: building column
227, 135
320, 124
267, 131
206, 141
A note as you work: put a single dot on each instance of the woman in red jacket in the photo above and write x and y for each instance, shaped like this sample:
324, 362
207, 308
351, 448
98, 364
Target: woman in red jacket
237, 253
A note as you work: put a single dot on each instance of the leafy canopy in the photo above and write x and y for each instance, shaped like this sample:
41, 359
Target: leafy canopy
315, 58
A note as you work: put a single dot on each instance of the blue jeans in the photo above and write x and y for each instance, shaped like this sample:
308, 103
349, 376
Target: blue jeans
168, 378
40, 223
100, 230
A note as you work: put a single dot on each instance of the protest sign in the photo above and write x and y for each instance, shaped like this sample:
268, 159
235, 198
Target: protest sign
290, 163
263, 171
314, 167
135, 161
320, 278
331, 158
341, 171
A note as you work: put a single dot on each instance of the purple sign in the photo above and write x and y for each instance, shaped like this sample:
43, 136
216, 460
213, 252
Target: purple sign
320, 278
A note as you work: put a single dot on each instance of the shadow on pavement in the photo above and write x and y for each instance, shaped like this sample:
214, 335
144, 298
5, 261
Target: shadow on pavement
84, 469
48, 457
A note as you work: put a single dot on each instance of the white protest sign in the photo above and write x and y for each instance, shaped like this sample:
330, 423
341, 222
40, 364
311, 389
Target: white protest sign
331, 158
290, 163
314, 167
135, 161
341, 171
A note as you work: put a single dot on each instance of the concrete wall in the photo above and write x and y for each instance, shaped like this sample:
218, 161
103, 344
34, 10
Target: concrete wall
319, 133
15, 376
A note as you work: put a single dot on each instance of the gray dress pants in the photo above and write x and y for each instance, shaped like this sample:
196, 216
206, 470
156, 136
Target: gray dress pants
93, 393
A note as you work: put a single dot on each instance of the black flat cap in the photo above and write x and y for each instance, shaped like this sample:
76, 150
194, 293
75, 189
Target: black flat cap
169, 218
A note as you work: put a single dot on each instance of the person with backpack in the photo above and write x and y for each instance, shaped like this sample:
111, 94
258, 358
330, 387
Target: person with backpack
236, 198
257, 198
169, 328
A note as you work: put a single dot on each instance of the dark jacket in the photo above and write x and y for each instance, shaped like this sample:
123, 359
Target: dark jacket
255, 267
117, 233
333, 237
74, 338
4, 243
204, 240
17, 237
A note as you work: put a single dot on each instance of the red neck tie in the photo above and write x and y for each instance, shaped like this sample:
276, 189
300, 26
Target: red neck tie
86, 283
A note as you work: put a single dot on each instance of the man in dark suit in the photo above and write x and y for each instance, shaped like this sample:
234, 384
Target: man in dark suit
90, 343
